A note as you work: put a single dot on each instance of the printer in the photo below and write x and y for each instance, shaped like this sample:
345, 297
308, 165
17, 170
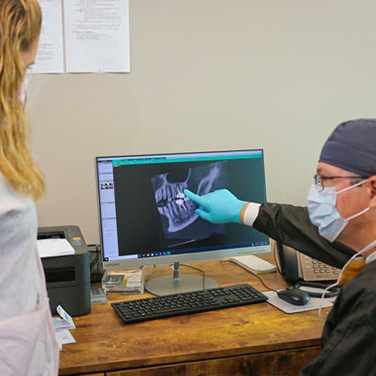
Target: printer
67, 277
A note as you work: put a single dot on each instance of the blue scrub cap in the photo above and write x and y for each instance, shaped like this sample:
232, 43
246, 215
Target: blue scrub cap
352, 147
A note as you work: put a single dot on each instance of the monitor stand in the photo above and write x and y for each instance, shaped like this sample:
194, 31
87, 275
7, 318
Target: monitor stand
177, 283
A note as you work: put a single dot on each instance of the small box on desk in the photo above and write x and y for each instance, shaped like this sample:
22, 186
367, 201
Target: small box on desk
68, 276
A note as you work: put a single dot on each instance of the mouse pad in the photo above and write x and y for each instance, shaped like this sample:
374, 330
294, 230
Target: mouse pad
314, 303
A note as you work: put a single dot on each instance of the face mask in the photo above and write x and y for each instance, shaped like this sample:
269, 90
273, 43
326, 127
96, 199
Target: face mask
323, 211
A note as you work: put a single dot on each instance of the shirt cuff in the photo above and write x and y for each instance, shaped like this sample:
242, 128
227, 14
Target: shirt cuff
251, 213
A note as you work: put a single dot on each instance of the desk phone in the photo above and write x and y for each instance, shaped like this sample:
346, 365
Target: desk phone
314, 270
295, 266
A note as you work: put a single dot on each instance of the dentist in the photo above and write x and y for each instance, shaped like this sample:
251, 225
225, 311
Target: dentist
341, 205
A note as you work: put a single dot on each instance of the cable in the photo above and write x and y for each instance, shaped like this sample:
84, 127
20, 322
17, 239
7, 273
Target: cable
193, 267
259, 278
297, 285
96, 270
188, 266
199, 270
334, 290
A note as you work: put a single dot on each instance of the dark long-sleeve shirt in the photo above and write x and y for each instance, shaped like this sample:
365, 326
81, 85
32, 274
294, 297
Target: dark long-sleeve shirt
349, 335
291, 226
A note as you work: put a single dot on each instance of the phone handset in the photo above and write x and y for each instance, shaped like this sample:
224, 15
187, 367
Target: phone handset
302, 270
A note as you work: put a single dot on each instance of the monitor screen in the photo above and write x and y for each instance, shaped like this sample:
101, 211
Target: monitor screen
145, 218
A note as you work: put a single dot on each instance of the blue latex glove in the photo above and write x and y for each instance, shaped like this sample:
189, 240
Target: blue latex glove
218, 207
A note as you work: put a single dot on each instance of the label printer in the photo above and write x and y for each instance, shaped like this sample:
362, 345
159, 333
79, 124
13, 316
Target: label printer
67, 277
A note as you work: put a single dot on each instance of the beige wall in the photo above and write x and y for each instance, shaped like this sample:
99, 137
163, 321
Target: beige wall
207, 75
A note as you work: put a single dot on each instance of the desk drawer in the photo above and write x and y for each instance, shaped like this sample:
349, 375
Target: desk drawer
278, 363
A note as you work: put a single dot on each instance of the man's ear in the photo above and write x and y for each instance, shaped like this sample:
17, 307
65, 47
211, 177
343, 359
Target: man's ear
372, 181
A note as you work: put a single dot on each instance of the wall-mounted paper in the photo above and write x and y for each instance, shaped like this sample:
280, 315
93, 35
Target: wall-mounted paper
97, 36
50, 56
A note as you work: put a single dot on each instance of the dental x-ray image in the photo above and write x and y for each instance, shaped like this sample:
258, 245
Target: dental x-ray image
180, 222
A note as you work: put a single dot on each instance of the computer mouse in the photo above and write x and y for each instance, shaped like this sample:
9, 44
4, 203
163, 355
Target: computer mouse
294, 296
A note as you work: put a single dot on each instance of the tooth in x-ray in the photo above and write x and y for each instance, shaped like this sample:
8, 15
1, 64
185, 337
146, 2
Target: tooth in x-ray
171, 201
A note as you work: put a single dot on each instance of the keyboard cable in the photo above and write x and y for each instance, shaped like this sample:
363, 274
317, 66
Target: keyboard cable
258, 277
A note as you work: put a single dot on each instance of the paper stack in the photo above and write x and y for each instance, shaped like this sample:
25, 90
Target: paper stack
54, 247
129, 281
62, 324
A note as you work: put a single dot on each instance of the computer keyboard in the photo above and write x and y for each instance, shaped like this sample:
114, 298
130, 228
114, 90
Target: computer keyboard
188, 302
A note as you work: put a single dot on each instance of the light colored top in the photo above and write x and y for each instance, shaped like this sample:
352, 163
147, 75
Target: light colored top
27, 338
20, 284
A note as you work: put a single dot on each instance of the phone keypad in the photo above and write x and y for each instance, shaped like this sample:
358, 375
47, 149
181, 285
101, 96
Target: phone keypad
313, 270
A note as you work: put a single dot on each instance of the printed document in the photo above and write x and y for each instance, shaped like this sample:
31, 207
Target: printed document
50, 56
97, 36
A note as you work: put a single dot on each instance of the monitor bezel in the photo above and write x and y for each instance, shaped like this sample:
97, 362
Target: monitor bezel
191, 257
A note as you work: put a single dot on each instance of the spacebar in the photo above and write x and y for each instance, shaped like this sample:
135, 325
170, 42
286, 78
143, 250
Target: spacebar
177, 309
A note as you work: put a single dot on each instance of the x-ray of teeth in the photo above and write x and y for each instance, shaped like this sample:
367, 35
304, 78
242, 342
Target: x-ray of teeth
176, 210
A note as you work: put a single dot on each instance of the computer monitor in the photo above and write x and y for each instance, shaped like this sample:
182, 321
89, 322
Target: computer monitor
145, 218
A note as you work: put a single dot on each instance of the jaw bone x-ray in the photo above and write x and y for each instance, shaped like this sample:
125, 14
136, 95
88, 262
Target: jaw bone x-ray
177, 212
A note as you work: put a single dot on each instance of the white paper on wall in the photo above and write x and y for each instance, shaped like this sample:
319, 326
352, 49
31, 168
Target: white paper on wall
97, 36
50, 56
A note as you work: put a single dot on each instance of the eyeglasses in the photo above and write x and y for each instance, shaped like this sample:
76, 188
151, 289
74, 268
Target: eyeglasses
319, 180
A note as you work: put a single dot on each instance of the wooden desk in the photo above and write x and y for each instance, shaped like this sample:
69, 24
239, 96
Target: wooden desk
250, 340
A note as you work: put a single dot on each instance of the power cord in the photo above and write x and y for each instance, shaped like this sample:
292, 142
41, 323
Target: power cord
96, 269
258, 277
192, 267
199, 270
334, 291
